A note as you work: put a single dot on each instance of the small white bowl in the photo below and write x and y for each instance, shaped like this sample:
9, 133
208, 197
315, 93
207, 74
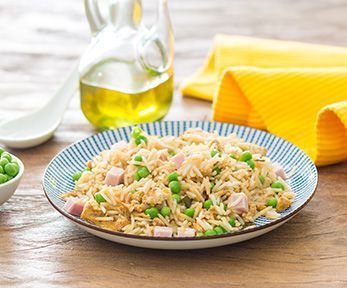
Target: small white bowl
7, 189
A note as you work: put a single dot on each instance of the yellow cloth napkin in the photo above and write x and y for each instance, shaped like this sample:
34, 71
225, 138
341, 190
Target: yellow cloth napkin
294, 90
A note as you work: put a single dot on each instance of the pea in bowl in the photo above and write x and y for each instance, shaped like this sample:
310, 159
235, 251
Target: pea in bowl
11, 172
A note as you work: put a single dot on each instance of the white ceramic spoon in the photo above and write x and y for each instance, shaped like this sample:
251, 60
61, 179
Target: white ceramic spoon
39, 126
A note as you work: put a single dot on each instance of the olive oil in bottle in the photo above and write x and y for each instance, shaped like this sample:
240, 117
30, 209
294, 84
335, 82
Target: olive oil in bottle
116, 93
109, 108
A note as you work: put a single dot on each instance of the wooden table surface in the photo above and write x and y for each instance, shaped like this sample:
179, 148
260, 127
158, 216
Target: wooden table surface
39, 42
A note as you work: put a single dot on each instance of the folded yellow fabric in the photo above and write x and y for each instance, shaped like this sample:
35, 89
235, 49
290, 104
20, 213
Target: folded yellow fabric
297, 91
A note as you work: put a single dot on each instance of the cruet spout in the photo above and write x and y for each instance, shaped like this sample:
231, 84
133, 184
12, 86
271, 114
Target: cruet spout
156, 47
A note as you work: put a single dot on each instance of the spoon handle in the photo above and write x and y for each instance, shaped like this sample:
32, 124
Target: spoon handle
62, 97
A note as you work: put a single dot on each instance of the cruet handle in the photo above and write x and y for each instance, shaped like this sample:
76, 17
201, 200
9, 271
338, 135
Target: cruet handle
155, 49
96, 21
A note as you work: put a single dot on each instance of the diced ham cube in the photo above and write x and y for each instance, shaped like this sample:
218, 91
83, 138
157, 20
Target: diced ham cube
178, 159
119, 144
279, 171
114, 176
160, 231
238, 202
74, 206
188, 232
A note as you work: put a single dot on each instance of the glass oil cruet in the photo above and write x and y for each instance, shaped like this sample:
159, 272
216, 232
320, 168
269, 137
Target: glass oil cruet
126, 74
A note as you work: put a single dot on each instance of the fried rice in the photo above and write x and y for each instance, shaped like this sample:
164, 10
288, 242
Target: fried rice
218, 187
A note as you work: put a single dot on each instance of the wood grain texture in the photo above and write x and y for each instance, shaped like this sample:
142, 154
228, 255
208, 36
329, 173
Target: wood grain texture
40, 40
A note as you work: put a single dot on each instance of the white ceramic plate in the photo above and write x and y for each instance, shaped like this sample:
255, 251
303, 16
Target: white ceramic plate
57, 179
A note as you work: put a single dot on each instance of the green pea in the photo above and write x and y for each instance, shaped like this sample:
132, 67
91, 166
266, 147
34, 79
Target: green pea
219, 230
137, 177
212, 186
152, 212
175, 187
245, 156
207, 204
272, 202
14, 162
199, 234
232, 156
216, 171
9, 177
215, 152
165, 211
99, 198
172, 153
1, 150
250, 163
261, 179
232, 221
210, 232
76, 176
11, 169
4, 162
173, 177
143, 172
139, 139
138, 158
1, 170
136, 132
277, 185
189, 212
3, 178
176, 197
7, 156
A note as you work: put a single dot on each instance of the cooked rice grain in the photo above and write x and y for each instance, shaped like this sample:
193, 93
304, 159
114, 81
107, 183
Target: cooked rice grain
125, 206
